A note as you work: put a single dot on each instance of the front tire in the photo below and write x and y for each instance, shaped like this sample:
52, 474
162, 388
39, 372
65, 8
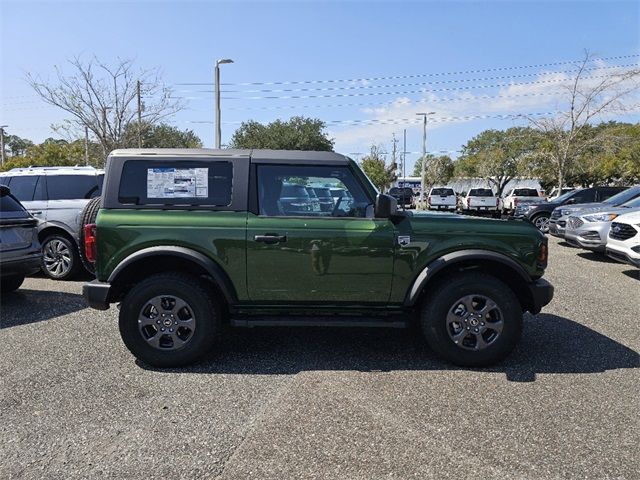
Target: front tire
472, 320
60, 259
169, 320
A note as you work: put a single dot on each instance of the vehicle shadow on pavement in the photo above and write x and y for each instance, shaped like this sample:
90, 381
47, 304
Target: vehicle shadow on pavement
596, 257
635, 274
550, 344
26, 306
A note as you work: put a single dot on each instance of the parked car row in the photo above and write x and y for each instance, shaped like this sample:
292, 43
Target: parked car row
611, 227
55, 198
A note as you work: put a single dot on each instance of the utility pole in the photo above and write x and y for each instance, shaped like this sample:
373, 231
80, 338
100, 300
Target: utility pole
139, 117
86, 145
424, 152
2, 127
394, 160
404, 155
217, 97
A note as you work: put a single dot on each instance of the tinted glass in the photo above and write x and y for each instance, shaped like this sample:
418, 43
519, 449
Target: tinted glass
176, 183
284, 191
71, 187
525, 192
442, 191
480, 192
23, 188
604, 193
565, 196
11, 208
585, 196
624, 196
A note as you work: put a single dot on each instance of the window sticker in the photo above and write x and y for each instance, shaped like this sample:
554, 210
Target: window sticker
177, 182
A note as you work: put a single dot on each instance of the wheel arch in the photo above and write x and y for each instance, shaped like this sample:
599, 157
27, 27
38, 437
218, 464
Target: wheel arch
48, 229
160, 259
492, 263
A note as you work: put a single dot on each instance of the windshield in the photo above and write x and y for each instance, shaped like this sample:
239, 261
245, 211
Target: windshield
635, 203
564, 196
624, 196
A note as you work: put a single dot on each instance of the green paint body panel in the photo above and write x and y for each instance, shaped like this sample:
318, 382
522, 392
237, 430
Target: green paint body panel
348, 262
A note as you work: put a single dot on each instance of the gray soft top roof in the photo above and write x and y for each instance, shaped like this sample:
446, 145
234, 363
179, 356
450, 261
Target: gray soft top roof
256, 155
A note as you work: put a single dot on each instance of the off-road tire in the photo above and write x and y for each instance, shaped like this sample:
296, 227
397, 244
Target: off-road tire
88, 216
206, 310
72, 253
11, 284
438, 303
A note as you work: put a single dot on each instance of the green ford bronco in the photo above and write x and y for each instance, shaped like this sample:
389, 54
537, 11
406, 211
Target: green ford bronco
187, 240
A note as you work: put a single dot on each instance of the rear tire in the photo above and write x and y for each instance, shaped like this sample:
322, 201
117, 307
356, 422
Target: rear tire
11, 284
60, 259
88, 216
169, 320
452, 314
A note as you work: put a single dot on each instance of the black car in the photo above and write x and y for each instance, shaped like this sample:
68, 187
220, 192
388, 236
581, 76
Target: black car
20, 253
540, 213
403, 195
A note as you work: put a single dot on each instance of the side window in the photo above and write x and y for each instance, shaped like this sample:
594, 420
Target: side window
71, 187
585, 196
5, 181
23, 188
310, 191
176, 183
40, 192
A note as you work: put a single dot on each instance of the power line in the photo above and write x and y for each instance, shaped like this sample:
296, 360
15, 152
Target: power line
422, 75
396, 85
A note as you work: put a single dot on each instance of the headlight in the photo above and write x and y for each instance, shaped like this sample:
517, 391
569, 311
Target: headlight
566, 212
602, 217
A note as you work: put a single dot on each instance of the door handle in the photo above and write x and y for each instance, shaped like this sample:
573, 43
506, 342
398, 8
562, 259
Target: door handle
34, 212
270, 239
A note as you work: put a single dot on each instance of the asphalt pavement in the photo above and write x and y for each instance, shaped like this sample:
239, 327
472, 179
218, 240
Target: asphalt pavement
327, 403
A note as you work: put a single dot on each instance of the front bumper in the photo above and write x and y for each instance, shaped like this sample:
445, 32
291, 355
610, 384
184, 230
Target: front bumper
622, 257
557, 229
541, 294
97, 294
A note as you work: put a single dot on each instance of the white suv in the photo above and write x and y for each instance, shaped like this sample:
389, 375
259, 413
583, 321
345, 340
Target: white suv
623, 243
56, 197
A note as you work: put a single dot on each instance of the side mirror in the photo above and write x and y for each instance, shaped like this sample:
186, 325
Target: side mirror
386, 206
4, 191
571, 201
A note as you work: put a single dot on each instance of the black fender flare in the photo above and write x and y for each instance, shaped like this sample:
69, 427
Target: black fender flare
211, 267
455, 257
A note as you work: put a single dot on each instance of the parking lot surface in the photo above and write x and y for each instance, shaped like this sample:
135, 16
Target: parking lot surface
327, 403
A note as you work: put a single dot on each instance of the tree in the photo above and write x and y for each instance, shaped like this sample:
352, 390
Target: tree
104, 98
17, 146
160, 136
566, 136
375, 167
298, 133
438, 170
51, 152
498, 155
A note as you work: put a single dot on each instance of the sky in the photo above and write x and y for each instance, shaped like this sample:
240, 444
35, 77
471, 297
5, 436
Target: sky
365, 68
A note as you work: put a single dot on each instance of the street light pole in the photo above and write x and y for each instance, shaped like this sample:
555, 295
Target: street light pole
424, 151
2, 127
217, 98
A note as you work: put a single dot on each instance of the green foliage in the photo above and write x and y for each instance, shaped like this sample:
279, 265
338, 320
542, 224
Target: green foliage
375, 167
499, 155
438, 170
160, 136
17, 146
299, 133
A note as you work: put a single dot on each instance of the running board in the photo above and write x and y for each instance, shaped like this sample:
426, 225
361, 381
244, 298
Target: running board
317, 321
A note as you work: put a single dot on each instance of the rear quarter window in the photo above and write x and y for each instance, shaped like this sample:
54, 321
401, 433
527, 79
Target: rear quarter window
72, 187
176, 183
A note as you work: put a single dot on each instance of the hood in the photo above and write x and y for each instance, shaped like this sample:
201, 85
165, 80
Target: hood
464, 224
631, 217
570, 209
